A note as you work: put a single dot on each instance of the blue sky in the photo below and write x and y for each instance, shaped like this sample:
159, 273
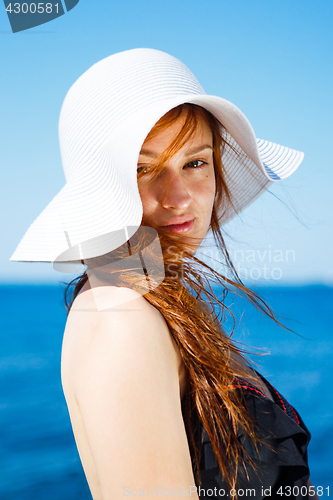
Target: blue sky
272, 59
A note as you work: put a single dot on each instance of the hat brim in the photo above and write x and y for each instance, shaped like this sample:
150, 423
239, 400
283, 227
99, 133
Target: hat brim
104, 209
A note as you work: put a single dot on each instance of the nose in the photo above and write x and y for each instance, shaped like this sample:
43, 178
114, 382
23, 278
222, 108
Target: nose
175, 194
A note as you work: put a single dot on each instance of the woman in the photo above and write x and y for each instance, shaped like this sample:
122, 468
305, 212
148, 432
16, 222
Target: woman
161, 401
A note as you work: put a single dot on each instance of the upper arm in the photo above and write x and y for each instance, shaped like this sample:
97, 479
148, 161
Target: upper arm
126, 382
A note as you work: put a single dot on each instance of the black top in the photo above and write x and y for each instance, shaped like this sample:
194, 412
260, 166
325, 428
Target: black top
281, 467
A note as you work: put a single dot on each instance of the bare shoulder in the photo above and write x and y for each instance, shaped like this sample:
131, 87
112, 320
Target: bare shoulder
120, 373
113, 321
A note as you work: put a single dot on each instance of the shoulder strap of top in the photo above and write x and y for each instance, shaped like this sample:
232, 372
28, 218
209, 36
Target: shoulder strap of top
244, 385
281, 401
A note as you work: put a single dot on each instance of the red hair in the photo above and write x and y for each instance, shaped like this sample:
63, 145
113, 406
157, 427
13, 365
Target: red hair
208, 354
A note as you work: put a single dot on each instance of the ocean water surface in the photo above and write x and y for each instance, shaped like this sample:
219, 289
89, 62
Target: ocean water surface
38, 456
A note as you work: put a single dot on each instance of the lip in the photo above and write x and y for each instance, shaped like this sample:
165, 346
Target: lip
179, 225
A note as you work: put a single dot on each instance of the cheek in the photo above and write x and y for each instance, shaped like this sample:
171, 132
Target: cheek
212, 187
146, 200
206, 193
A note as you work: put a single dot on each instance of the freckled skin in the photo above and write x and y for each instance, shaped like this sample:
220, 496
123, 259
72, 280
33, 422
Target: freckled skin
186, 186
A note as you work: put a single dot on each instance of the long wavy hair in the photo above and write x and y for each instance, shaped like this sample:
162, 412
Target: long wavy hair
211, 359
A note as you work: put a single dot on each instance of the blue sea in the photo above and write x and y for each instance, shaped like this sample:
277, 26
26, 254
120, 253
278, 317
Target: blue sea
38, 456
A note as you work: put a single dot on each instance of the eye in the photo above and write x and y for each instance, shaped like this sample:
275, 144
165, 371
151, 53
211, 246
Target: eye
143, 169
195, 164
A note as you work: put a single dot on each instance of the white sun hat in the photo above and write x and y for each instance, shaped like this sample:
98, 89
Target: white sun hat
104, 121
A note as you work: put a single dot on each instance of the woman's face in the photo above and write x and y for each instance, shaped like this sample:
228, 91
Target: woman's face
180, 199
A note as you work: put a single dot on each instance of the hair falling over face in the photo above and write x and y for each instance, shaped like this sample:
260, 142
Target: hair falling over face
211, 359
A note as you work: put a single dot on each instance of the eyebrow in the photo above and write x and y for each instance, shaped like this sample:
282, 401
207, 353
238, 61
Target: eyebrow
146, 152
